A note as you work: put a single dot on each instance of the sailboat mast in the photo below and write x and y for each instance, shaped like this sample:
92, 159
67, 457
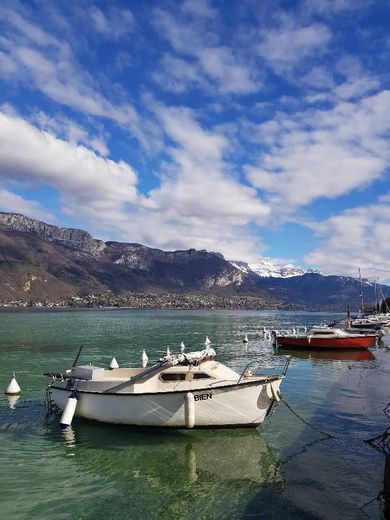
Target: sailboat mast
361, 294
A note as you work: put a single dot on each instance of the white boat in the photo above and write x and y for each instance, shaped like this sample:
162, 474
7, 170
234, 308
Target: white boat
180, 391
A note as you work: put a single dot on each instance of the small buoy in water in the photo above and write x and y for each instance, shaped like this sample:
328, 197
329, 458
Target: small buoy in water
144, 359
245, 340
182, 347
114, 363
168, 352
69, 411
13, 388
207, 342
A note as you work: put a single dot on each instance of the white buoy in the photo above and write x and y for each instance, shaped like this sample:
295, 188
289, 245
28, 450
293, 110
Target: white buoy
114, 363
144, 359
69, 411
168, 352
245, 340
182, 347
207, 342
13, 388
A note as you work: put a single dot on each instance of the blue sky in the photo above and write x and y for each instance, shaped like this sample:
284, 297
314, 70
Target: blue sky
249, 128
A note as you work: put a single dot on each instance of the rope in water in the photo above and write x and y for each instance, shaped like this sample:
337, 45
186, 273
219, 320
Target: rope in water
330, 436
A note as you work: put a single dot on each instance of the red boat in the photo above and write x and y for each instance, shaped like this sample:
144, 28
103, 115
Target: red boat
326, 338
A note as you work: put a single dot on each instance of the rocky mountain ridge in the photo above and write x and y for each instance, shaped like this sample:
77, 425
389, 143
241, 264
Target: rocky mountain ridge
39, 260
45, 263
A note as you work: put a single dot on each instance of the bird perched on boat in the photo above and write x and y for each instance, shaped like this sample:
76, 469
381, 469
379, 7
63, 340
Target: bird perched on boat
245, 340
182, 347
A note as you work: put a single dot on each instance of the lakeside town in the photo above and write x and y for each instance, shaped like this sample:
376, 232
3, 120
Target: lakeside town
153, 301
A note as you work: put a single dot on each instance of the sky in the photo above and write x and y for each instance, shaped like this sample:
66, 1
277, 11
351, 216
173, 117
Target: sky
251, 128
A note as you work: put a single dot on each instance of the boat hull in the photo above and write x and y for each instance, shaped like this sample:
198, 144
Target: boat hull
245, 404
308, 343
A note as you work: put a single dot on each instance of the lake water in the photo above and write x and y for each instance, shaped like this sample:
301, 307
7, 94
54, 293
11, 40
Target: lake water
282, 470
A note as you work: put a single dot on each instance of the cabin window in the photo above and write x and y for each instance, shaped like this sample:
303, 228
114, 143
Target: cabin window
201, 375
173, 376
169, 377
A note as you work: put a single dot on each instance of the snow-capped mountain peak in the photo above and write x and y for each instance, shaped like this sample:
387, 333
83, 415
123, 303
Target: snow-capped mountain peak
267, 267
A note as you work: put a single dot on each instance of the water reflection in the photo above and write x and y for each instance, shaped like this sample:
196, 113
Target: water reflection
168, 473
173, 456
12, 400
331, 355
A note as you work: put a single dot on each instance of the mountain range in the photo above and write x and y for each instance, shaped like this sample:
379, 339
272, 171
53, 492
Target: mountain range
42, 262
267, 267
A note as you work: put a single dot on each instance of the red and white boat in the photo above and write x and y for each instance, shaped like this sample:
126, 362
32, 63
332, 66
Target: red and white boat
326, 338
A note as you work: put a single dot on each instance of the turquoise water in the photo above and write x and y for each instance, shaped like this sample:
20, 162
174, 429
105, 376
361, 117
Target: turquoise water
283, 470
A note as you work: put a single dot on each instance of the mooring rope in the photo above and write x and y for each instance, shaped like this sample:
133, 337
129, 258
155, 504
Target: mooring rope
329, 435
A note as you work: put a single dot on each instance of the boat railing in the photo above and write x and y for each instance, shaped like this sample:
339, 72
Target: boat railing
284, 371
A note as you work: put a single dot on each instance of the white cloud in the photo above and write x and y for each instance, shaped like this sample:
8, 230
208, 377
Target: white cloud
199, 202
203, 61
114, 23
357, 238
331, 7
198, 8
12, 203
89, 185
285, 47
219, 64
319, 77
48, 64
64, 127
323, 153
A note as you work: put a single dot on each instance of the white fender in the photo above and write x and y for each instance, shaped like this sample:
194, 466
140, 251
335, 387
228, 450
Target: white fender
275, 391
69, 411
189, 410
272, 390
13, 388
